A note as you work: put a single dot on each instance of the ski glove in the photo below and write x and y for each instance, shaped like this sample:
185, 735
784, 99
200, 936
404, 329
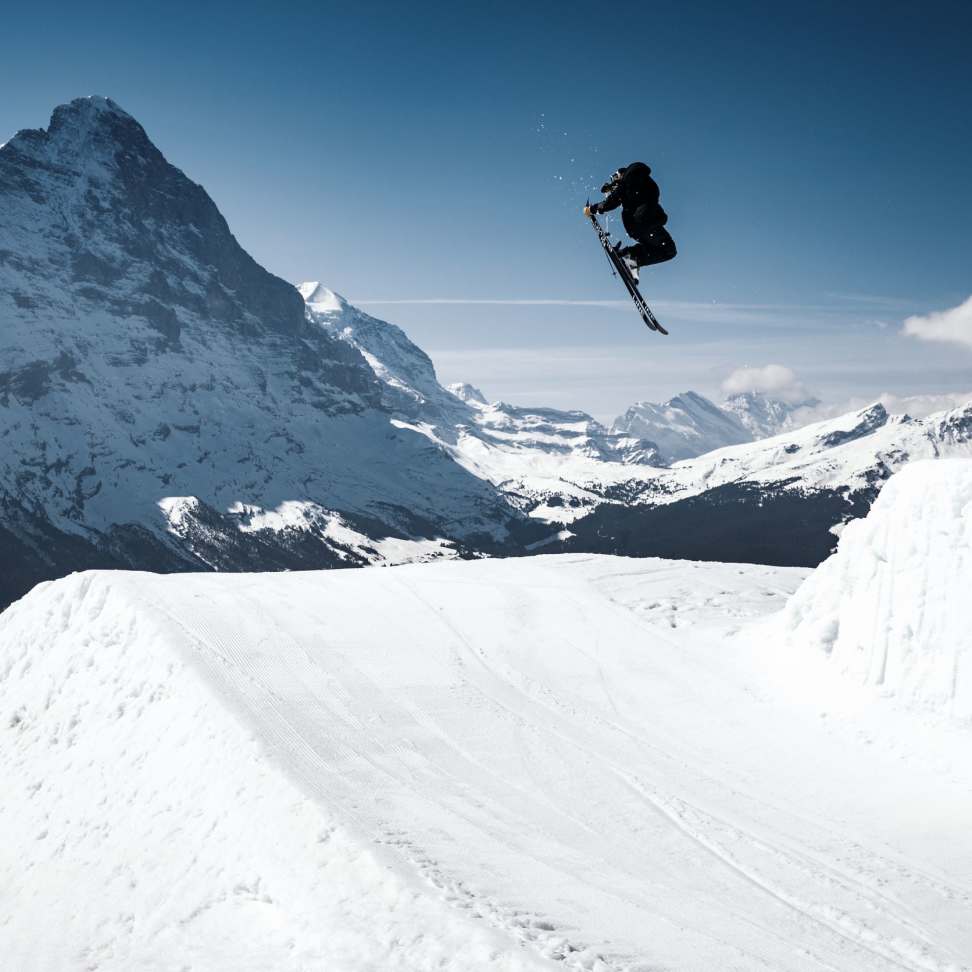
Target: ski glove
592, 209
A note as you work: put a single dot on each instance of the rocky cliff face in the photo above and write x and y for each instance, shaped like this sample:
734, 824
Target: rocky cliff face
95, 219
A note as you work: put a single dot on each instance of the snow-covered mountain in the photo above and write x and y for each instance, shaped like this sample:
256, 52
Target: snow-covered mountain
763, 415
411, 389
685, 426
780, 500
524, 452
774, 500
404, 373
166, 402
690, 425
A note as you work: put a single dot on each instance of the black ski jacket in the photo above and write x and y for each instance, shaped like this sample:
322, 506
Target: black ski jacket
637, 194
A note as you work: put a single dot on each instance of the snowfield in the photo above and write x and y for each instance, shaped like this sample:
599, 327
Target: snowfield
575, 762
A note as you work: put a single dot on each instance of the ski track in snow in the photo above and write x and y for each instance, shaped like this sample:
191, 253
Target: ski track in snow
579, 754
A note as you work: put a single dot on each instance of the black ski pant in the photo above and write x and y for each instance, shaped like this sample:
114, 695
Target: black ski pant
654, 245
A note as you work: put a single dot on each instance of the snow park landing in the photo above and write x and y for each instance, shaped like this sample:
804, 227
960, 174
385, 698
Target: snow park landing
398, 576
565, 761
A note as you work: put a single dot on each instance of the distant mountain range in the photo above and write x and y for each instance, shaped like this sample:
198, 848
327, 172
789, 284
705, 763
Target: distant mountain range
780, 499
690, 424
168, 404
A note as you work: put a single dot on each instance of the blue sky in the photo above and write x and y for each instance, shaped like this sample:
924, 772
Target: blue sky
813, 159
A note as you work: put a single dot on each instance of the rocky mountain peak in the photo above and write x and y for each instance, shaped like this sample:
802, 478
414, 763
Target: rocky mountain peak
685, 426
468, 393
91, 204
322, 300
91, 107
91, 115
764, 415
85, 127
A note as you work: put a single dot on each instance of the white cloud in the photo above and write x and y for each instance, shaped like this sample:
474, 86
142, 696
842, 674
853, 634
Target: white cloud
954, 325
774, 380
918, 406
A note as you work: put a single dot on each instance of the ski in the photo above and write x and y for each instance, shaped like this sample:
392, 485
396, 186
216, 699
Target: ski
620, 270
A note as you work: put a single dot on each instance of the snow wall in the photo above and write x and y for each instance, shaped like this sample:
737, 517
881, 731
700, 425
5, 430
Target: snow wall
892, 608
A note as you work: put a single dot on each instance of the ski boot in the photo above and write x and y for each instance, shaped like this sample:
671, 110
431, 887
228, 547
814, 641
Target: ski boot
630, 263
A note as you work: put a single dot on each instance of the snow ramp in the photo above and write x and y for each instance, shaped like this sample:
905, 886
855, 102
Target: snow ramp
553, 762
144, 827
891, 610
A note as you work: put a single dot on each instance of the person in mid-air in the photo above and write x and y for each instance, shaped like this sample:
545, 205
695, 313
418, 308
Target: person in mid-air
633, 189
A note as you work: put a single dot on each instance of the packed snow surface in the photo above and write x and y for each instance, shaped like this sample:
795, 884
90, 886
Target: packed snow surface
569, 762
891, 610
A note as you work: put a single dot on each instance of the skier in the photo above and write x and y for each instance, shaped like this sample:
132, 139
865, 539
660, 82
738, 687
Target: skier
633, 189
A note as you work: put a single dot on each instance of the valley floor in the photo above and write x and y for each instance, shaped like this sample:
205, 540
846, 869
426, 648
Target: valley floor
573, 762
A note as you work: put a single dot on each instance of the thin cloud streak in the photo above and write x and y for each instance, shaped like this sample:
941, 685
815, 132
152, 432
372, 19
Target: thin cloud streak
543, 302
588, 302
704, 312
875, 300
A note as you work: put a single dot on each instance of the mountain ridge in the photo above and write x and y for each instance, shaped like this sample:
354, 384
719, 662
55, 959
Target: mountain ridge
781, 499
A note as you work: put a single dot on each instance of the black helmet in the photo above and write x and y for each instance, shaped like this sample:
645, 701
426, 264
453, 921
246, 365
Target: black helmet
614, 180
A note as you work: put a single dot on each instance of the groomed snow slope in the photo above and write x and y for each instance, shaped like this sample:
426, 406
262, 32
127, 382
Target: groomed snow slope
892, 607
555, 762
144, 827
